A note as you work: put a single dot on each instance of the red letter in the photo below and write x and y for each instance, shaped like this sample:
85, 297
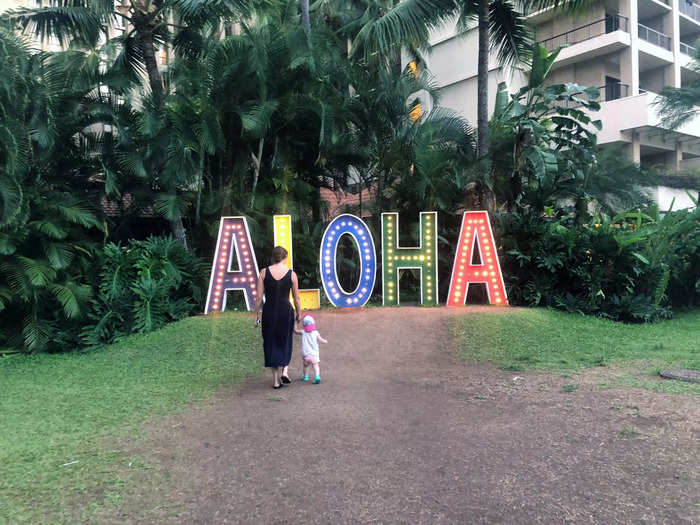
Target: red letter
476, 231
233, 232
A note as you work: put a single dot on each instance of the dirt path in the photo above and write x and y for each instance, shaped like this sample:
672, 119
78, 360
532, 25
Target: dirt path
402, 432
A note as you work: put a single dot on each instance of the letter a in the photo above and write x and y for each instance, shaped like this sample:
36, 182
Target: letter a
476, 233
233, 233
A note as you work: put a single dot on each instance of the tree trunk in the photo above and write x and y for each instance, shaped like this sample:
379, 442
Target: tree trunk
149, 58
306, 19
482, 103
257, 161
179, 231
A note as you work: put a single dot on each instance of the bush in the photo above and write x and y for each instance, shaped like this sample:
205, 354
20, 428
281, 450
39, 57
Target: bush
142, 286
634, 267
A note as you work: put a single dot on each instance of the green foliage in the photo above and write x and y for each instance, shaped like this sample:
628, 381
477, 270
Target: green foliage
48, 232
143, 286
632, 267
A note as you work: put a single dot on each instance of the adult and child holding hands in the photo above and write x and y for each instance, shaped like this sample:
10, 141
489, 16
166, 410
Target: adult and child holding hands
279, 322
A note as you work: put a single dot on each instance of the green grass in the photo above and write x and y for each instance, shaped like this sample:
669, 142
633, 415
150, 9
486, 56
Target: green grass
56, 410
540, 339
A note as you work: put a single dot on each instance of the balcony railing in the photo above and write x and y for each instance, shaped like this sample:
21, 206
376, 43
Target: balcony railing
608, 92
600, 27
687, 49
690, 9
654, 37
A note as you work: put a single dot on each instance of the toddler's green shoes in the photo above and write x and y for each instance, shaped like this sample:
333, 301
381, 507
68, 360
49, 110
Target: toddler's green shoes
317, 380
304, 378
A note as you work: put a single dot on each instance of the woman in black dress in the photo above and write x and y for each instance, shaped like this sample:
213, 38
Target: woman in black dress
277, 315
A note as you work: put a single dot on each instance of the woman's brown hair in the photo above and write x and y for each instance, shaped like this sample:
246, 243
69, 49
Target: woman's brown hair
279, 254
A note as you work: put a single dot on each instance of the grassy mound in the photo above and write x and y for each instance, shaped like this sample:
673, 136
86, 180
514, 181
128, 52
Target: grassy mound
56, 409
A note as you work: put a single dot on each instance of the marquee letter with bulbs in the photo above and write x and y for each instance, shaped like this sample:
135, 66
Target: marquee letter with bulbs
235, 267
423, 258
355, 227
476, 233
308, 299
232, 244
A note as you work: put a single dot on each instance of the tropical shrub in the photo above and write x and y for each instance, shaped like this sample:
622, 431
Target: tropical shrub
142, 286
633, 267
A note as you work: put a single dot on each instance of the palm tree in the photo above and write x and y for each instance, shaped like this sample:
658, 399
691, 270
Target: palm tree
47, 229
501, 25
148, 24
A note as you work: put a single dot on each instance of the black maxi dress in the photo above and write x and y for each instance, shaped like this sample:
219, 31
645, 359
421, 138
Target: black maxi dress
277, 320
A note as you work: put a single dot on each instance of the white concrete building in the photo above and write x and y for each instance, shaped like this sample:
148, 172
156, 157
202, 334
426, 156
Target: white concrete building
630, 49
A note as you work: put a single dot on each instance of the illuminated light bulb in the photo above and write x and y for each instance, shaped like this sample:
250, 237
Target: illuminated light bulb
364, 290
218, 287
390, 284
221, 273
219, 280
481, 221
336, 295
490, 266
217, 294
342, 223
327, 258
498, 300
476, 274
422, 258
497, 294
243, 279
460, 274
427, 237
459, 280
328, 252
493, 273
493, 280
250, 272
228, 227
328, 270
457, 294
337, 227
483, 227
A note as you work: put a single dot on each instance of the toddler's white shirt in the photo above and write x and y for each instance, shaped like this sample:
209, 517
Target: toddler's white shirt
309, 343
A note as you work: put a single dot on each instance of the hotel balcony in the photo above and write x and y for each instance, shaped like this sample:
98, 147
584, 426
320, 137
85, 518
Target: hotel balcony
591, 40
621, 117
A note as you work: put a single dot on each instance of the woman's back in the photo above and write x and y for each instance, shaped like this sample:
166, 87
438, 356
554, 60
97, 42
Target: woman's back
277, 289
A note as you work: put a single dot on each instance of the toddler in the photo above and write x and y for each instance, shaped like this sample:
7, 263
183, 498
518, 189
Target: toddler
309, 348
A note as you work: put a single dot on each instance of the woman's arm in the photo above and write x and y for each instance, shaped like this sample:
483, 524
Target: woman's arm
259, 298
295, 295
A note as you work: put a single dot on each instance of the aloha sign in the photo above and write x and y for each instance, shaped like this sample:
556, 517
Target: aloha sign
235, 266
